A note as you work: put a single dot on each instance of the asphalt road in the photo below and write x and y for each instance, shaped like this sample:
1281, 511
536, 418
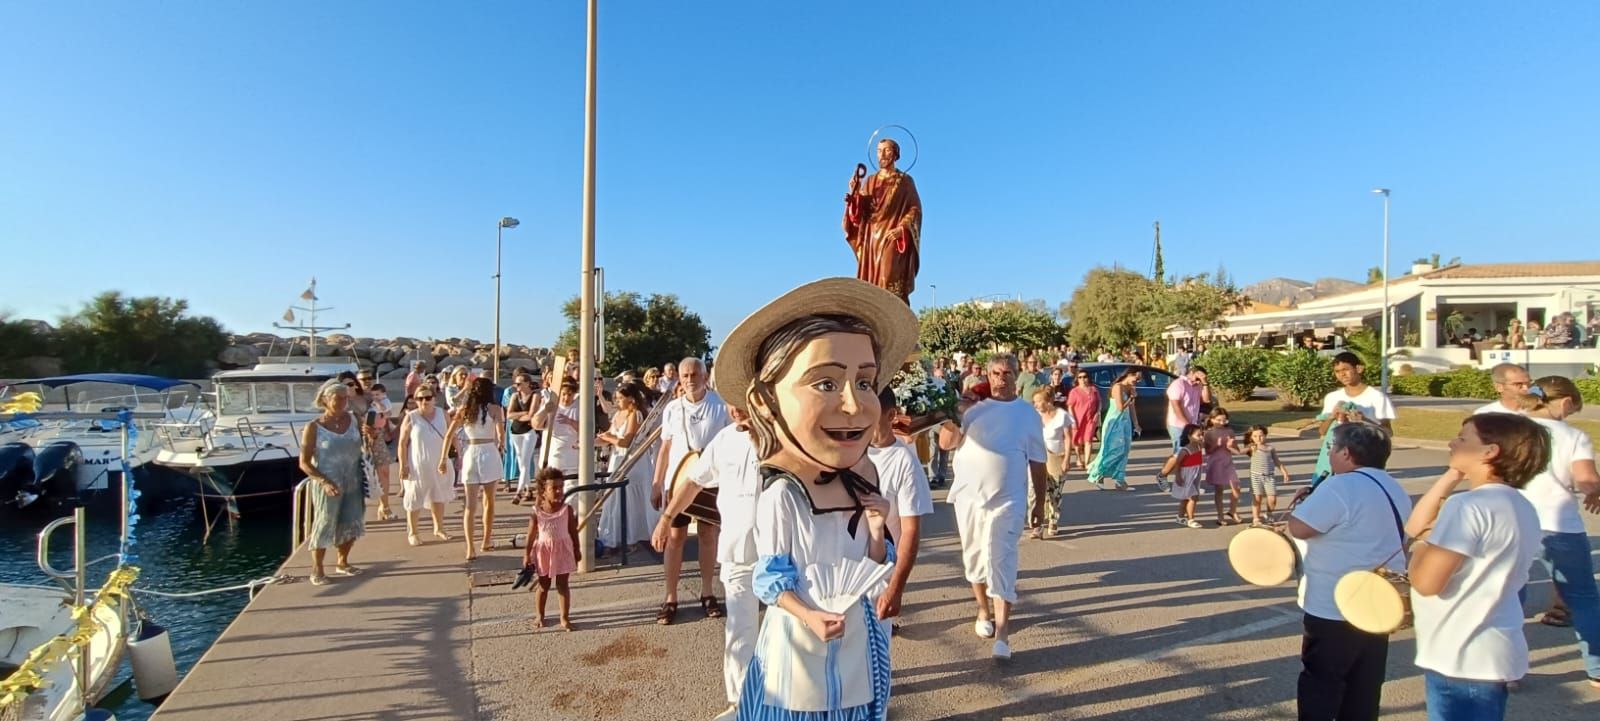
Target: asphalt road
1125, 615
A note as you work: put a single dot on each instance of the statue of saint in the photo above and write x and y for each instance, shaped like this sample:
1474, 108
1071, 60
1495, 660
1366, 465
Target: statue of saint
883, 224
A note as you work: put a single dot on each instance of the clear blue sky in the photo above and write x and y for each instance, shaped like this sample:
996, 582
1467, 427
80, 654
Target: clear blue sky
225, 152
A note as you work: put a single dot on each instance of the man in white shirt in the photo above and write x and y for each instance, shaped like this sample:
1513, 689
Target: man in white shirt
1352, 522
1512, 382
730, 466
688, 424
1354, 402
902, 482
669, 380
999, 450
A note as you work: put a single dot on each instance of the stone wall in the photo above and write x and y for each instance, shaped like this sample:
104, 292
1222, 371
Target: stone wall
391, 358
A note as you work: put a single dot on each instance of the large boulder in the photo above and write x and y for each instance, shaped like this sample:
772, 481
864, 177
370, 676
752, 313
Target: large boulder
342, 339
483, 359
385, 369
416, 355
511, 364
239, 356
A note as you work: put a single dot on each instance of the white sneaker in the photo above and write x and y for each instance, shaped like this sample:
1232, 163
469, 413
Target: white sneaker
728, 715
984, 629
1002, 650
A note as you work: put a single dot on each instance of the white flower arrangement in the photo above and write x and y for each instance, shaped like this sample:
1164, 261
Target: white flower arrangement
919, 393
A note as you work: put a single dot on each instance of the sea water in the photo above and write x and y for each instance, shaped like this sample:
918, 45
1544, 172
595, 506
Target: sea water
175, 554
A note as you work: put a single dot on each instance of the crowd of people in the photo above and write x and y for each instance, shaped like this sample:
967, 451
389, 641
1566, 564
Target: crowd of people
798, 442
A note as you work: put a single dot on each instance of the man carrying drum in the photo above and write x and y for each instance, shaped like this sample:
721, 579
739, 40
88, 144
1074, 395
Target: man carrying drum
1351, 523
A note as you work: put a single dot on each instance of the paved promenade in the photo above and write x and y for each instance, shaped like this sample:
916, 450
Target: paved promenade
1125, 616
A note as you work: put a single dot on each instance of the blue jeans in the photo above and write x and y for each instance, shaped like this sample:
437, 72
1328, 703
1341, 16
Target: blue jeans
1566, 557
1454, 699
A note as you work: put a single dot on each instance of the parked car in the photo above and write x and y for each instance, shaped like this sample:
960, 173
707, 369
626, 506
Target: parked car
1150, 405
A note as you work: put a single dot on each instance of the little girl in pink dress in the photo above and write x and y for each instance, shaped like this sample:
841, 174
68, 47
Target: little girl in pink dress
552, 545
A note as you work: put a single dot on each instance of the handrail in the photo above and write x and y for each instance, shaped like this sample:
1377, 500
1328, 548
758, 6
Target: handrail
43, 551
244, 425
622, 501
300, 527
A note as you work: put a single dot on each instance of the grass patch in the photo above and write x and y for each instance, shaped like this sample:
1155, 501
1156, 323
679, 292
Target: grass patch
1444, 425
1243, 414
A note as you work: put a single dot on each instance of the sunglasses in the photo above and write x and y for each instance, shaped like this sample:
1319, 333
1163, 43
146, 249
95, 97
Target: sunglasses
424, 398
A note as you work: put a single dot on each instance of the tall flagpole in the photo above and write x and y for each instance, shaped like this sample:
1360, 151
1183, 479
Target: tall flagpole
586, 310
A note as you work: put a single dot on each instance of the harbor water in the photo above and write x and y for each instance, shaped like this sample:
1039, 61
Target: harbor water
176, 554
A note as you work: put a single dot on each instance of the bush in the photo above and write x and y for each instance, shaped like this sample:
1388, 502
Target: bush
1301, 378
1424, 384
1467, 383
1589, 388
1234, 372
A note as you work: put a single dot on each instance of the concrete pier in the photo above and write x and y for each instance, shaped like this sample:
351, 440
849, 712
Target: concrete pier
1126, 615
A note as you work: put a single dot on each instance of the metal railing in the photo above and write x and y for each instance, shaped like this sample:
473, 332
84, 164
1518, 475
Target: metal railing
300, 515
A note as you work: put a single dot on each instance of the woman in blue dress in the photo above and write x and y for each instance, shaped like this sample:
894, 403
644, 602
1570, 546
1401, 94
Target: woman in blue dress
330, 456
1116, 433
807, 369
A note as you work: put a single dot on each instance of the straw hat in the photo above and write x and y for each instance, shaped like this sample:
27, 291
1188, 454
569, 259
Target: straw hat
891, 321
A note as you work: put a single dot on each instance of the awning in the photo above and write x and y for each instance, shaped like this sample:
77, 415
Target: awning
1325, 319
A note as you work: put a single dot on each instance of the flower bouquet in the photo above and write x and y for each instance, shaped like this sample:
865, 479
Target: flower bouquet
925, 400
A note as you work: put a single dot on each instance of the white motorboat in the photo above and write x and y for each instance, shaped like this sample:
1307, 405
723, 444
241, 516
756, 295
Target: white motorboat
56, 456
33, 617
246, 453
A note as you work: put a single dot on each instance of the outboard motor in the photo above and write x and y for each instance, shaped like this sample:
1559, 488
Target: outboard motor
16, 469
55, 474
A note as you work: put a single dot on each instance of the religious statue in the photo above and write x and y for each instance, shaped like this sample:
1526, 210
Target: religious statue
883, 223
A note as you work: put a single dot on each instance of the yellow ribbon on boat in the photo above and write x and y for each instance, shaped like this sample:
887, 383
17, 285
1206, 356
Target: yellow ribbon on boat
29, 677
29, 402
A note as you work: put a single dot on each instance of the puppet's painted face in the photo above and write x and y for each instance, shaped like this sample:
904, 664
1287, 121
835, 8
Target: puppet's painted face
827, 398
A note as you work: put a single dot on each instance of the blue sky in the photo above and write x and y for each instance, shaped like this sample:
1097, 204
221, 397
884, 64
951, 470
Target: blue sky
225, 152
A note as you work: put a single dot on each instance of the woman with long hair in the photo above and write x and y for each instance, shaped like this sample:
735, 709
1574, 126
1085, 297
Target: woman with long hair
625, 423
519, 410
1116, 433
1083, 402
807, 368
481, 424
330, 456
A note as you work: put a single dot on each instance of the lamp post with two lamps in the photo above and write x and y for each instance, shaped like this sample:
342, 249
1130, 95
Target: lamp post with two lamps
504, 224
1383, 320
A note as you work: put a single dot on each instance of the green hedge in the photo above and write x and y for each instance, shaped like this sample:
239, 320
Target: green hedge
1458, 383
1234, 372
1590, 389
1301, 378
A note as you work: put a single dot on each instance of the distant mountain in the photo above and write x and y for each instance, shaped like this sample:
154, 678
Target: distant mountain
1290, 291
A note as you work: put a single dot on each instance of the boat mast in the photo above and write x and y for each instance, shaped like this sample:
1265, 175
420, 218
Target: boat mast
310, 328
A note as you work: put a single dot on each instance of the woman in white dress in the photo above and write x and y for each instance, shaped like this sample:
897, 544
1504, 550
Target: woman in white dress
482, 428
421, 448
625, 423
807, 368
559, 421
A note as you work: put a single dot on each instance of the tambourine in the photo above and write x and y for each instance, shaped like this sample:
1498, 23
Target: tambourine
1376, 601
1263, 556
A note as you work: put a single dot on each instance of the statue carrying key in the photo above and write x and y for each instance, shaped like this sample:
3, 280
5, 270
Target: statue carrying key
883, 218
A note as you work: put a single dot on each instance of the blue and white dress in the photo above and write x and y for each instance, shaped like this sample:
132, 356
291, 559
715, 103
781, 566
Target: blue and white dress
796, 676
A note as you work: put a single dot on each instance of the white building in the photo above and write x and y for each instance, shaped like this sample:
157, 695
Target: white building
1429, 307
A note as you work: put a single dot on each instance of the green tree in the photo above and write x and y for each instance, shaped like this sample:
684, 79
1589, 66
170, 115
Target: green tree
1024, 326
641, 332
947, 330
1374, 275
19, 340
145, 335
1111, 308
1195, 302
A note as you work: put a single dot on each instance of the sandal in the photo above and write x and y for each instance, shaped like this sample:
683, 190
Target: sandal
411, 538
1556, 617
346, 571
318, 579
711, 607
667, 614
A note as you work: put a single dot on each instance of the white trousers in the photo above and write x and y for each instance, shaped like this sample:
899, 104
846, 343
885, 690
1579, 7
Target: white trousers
989, 541
526, 449
742, 627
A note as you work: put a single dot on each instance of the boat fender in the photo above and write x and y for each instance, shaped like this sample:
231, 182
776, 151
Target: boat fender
155, 674
98, 714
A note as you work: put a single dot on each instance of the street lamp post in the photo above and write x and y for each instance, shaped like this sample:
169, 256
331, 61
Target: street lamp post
1383, 320
500, 228
587, 299
935, 290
